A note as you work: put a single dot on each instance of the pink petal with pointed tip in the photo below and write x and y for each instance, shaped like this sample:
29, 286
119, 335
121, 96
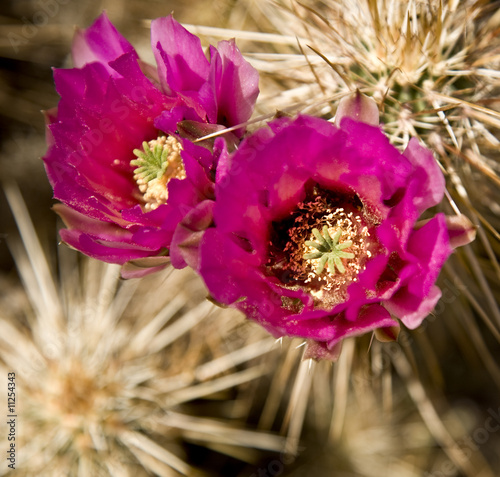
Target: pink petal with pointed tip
359, 107
428, 175
182, 65
235, 82
188, 235
101, 43
460, 230
412, 309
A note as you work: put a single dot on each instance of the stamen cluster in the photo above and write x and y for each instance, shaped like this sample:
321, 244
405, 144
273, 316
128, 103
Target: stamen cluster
326, 248
159, 162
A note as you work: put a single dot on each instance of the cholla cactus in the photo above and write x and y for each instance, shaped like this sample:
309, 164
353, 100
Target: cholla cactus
106, 370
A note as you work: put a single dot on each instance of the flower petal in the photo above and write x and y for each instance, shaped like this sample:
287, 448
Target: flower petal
182, 65
141, 267
412, 309
235, 82
359, 107
101, 43
111, 252
430, 245
319, 351
188, 235
431, 183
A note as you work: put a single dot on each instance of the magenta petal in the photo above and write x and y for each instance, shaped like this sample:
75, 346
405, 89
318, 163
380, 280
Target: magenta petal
138, 88
182, 65
319, 351
369, 318
111, 252
223, 254
430, 245
95, 237
50, 116
85, 224
359, 107
101, 43
379, 172
334, 328
236, 83
75, 192
429, 176
188, 235
71, 83
460, 230
141, 267
412, 309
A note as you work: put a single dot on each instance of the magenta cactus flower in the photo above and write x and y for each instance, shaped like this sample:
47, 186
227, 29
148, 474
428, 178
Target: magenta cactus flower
118, 158
317, 236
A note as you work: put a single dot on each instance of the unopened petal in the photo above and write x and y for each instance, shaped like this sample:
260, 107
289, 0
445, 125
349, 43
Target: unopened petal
359, 107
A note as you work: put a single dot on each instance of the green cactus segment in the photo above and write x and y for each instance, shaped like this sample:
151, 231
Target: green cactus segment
329, 250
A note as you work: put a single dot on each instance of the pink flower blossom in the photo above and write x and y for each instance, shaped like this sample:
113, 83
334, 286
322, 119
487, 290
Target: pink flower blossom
316, 232
116, 158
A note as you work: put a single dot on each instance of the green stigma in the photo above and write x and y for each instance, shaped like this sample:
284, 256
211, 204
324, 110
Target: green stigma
329, 250
159, 162
151, 163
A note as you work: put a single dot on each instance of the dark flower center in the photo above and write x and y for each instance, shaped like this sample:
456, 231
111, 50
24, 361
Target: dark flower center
158, 162
322, 246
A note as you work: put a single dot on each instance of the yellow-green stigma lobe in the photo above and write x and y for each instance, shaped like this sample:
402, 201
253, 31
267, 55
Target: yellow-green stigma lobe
158, 162
322, 248
328, 249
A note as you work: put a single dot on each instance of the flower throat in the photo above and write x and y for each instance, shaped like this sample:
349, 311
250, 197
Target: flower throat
322, 247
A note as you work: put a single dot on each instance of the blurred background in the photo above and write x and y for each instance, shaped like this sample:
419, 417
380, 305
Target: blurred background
428, 406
